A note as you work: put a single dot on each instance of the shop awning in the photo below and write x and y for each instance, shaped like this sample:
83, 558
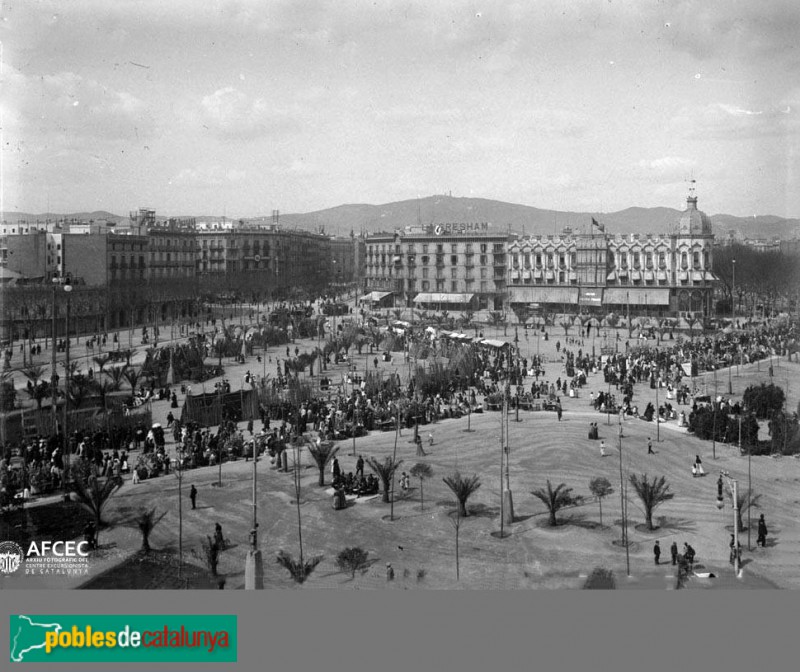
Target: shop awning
426, 297
533, 294
590, 296
375, 296
573, 275
612, 276
494, 343
649, 275
526, 275
636, 296
537, 273
697, 276
710, 276
622, 273
683, 275
550, 275
662, 275
636, 275
515, 275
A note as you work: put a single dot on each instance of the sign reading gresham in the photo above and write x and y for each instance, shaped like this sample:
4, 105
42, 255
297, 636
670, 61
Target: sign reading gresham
457, 228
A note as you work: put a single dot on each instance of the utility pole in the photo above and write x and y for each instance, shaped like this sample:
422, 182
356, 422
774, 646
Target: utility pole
622, 504
254, 564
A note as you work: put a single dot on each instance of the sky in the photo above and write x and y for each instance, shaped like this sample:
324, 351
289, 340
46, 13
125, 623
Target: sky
242, 107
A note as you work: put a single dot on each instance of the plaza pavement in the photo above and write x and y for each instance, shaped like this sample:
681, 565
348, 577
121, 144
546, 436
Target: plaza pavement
533, 556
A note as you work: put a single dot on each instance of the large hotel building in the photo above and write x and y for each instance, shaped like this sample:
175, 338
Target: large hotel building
466, 266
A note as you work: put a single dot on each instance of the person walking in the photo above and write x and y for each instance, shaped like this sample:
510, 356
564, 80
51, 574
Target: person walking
762, 532
193, 496
650, 446
558, 410
337, 470
602, 448
360, 466
389, 572
657, 551
673, 550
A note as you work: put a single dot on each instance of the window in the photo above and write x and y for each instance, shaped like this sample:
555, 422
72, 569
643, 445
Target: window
483, 272
439, 248
425, 285
424, 272
662, 259
623, 259
515, 260
453, 259
561, 276
425, 249
649, 259
636, 259
469, 248
610, 258
549, 260
453, 286
484, 286
561, 260
453, 272
538, 258
454, 248
696, 259
483, 248
684, 260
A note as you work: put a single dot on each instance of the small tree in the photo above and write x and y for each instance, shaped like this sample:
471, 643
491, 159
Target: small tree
463, 487
385, 471
421, 471
556, 499
322, 454
210, 554
299, 569
600, 487
651, 493
351, 560
147, 521
117, 375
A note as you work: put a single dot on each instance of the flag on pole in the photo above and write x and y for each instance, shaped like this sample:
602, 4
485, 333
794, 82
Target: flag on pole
598, 224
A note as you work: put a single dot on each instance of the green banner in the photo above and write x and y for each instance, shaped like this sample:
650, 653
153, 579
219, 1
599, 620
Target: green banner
82, 638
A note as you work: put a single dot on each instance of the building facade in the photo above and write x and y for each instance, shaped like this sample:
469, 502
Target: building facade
597, 272
445, 267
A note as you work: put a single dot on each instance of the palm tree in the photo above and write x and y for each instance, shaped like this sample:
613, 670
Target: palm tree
133, 376
79, 387
103, 388
322, 454
652, 494
421, 471
556, 499
744, 502
101, 361
33, 373
463, 487
117, 374
385, 471
600, 487
147, 521
93, 494
299, 569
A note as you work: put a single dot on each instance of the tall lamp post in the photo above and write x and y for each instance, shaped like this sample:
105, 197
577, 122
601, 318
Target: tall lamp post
734, 485
254, 565
67, 447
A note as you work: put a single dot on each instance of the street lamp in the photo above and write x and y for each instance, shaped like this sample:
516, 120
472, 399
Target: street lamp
733, 484
67, 447
254, 565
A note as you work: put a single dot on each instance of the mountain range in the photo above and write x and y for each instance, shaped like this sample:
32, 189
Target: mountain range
502, 216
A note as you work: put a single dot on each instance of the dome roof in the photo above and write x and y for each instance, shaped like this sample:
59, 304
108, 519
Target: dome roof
694, 222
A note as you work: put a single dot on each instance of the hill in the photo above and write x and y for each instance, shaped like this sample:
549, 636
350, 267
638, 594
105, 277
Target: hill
525, 219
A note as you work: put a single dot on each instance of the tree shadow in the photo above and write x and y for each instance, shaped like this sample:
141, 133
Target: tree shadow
676, 524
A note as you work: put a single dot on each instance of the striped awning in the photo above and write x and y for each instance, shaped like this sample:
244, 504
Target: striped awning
636, 275
683, 275
526, 275
662, 275
612, 276
697, 276
710, 276
649, 275
537, 273
550, 275
623, 273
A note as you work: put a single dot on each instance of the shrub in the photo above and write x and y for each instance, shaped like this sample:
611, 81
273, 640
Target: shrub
351, 560
600, 579
764, 400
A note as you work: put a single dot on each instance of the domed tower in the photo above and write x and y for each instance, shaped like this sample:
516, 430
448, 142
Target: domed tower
693, 221
693, 261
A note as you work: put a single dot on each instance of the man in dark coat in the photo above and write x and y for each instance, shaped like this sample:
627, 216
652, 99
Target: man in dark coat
360, 466
762, 532
674, 552
193, 496
337, 472
657, 552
